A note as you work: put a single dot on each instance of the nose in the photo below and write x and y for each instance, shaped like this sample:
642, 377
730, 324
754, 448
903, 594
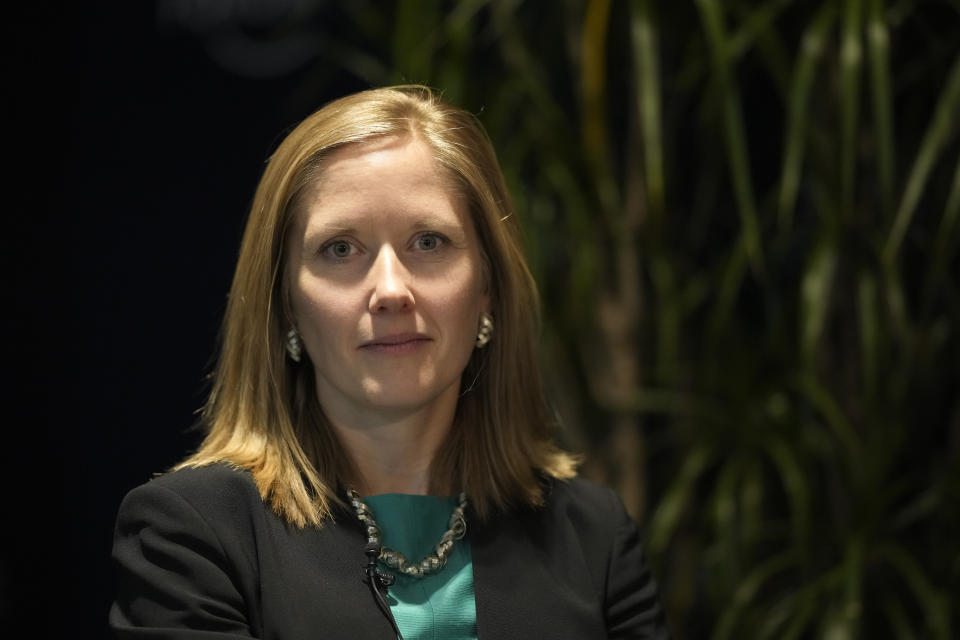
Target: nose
390, 280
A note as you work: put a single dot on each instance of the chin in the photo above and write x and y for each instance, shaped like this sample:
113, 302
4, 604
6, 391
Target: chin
404, 396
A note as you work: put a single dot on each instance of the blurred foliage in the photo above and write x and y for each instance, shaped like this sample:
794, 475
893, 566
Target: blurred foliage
744, 219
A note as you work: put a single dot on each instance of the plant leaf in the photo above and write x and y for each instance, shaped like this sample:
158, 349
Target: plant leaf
795, 486
747, 591
712, 17
815, 297
934, 604
938, 133
644, 45
797, 115
878, 48
851, 60
666, 517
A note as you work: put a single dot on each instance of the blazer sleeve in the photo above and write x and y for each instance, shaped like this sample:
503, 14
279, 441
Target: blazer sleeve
173, 577
632, 603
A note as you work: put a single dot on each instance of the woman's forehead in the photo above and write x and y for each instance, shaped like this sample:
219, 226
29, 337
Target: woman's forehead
389, 174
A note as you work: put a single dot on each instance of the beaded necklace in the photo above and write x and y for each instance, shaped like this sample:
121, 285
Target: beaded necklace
432, 562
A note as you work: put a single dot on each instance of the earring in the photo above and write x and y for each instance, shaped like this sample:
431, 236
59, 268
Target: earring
294, 345
486, 330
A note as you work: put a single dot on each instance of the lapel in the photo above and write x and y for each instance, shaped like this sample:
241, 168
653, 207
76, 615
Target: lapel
344, 603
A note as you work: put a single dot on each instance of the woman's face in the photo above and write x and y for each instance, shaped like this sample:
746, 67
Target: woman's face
386, 279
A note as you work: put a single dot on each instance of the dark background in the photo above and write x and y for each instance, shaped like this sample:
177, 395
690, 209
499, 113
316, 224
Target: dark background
131, 161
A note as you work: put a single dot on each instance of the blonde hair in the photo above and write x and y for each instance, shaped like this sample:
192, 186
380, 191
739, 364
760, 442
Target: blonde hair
263, 414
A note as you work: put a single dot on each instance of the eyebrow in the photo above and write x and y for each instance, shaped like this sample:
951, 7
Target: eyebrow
420, 223
426, 222
325, 228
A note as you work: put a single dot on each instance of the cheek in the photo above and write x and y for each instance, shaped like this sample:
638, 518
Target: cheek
316, 311
463, 305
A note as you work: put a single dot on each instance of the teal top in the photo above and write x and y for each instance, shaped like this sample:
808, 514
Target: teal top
436, 606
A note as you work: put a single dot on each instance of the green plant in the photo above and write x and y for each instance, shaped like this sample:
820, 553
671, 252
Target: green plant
744, 219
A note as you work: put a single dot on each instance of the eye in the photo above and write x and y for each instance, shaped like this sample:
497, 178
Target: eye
429, 241
337, 249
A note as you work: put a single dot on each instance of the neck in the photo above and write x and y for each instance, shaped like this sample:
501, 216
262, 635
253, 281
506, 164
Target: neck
393, 450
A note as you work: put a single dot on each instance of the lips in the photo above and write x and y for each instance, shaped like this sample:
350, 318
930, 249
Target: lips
396, 342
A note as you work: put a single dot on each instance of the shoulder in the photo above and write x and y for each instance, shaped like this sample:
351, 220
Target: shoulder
574, 511
579, 490
193, 517
581, 499
185, 552
205, 483
215, 494
207, 486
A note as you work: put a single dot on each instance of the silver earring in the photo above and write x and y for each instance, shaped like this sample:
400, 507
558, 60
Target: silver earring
294, 345
486, 330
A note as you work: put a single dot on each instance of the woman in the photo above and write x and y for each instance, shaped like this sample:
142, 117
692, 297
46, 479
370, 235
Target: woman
376, 402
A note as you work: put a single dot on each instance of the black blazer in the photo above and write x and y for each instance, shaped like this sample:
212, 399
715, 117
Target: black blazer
199, 555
